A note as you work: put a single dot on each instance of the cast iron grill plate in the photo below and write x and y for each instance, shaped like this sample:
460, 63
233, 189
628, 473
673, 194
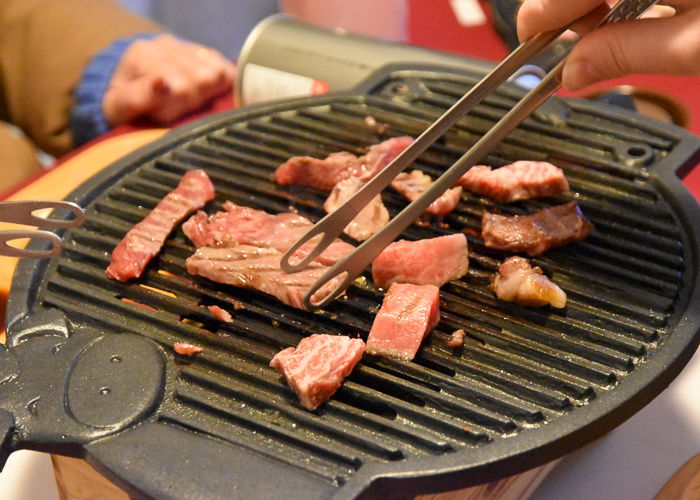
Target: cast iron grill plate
528, 385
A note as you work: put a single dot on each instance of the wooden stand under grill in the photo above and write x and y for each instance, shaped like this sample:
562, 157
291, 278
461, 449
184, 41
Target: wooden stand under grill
77, 480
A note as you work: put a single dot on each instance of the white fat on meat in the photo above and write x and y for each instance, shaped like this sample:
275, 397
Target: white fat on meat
517, 281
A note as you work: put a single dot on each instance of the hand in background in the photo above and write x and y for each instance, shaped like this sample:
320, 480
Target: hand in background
669, 44
163, 79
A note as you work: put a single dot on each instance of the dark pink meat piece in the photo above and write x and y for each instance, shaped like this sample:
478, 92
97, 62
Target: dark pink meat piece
432, 261
538, 232
326, 173
247, 266
316, 368
456, 338
517, 281
407, 315
369, 220
145, 239
521, 180
412, 185
220, 314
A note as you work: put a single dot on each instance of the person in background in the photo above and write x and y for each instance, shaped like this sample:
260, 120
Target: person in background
668, 43
70, 70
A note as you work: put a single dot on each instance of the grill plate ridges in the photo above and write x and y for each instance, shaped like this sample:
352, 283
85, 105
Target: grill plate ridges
520, 369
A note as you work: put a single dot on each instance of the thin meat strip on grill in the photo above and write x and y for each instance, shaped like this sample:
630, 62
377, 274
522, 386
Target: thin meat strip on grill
538, 232
145, 239
247, 266
412, 185
407, 315
521, 180
369, 220
326, 173
431, 261
316, 368
517, 281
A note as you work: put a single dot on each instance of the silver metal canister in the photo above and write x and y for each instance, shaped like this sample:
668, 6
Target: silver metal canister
285, 57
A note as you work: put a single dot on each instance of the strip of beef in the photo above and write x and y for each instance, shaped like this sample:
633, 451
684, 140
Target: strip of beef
145, 239
316, 368
517, 281
326, 173
407, 315
369, 220
258, 268
538, 232
248, 226
521, 180
432, 261
412, 185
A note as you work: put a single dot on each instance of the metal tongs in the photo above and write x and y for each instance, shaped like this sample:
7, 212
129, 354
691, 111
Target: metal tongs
332, 225
24, 212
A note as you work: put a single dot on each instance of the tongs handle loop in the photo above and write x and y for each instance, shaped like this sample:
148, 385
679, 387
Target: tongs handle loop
8, 250
332, 225
22, 212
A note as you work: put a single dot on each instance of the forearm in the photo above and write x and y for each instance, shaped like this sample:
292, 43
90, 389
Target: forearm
43, 51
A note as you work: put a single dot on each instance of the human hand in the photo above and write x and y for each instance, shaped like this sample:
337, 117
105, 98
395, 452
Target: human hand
669, 44
163, 79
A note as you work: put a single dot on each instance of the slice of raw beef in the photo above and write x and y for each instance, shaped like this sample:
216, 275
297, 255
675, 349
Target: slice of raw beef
407, 315
316, 367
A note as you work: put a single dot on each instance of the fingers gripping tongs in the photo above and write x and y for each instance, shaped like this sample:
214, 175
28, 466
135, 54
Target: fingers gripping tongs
333, 224
27, 213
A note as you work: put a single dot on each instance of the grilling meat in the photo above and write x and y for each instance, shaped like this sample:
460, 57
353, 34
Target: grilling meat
517, 281
220, 314
316, 368
432, 261
407, 315
412, 185
326, 173
538, 232
248, 266
186, 349
521, 180
145, 239
369, 220
246, 225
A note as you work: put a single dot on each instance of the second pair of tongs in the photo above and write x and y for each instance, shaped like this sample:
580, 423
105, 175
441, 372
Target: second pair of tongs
25, 213
332, 225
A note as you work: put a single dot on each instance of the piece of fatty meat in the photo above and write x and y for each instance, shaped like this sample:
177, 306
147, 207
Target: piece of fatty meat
412, 185
517, 281
145, 239
369, 220
316, 368
538, 232
247, 266
326, 173
407, 315
521, 180
432, 261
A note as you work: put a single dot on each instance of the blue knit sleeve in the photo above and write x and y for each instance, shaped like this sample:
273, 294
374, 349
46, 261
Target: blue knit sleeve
86, 118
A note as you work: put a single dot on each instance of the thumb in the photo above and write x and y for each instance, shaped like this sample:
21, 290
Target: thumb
647, 46
132, 99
